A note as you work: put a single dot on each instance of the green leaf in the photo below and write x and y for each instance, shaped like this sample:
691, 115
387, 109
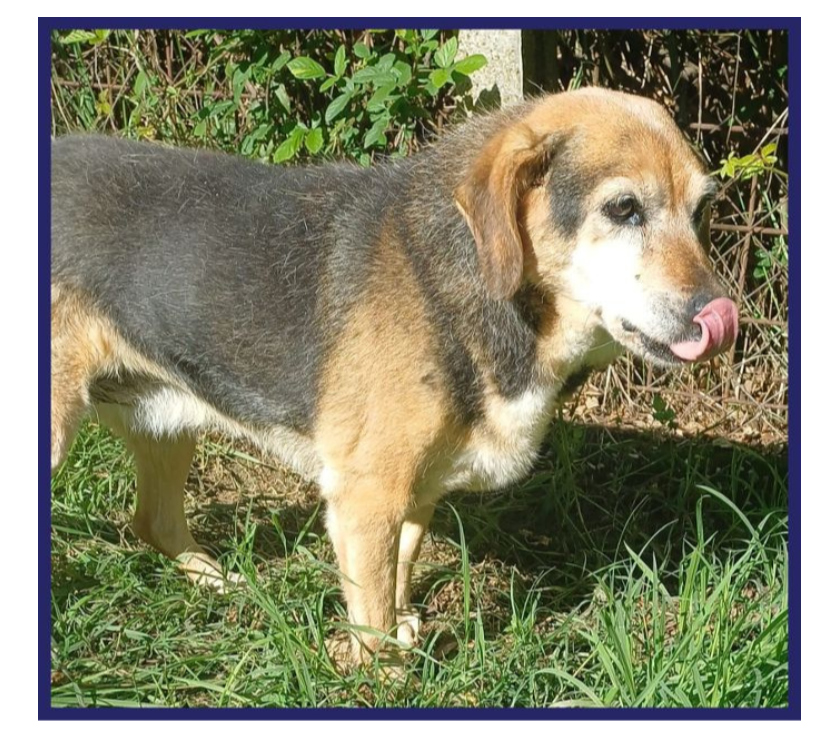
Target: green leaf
378, 98
290, 146
103, 106
285, 151
315, 140
372, 74
446, 54
768, 150
340, 63
470, 64
140, 84
240, 77
328, 83
281, 61
304, 68
260, 132
402, 72
428, 46
361, 51
376, 133
283, 97
222, 108
440, 77
200, 128
335, 108
386, 62
77, 37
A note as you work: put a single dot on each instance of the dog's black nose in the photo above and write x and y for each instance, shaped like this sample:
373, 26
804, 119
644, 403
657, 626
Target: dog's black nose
697, 303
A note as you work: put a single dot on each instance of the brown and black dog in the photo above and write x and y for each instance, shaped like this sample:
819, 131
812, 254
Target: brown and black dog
394, 333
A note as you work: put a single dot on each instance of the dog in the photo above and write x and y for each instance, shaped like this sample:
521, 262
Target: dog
395, 333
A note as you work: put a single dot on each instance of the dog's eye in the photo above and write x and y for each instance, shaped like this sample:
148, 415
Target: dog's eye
624, 210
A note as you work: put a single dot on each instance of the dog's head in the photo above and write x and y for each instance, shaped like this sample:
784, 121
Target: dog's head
597, 197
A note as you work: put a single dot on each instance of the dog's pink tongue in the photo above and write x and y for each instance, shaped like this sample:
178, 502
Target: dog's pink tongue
719, 322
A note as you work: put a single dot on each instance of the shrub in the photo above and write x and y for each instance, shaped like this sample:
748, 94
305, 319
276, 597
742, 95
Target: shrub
272, 95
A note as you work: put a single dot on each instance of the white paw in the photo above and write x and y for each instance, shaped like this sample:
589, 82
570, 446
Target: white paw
408, 626
205, 571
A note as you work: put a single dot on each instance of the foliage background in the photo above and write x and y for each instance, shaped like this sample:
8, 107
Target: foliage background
273, 95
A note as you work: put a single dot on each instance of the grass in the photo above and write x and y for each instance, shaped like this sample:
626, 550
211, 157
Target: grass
630, 571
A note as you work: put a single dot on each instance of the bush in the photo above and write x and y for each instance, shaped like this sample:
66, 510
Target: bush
272, 95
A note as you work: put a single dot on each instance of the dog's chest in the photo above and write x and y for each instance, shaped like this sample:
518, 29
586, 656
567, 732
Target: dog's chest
503, 447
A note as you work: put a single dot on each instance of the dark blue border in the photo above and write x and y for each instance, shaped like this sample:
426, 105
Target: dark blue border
44, 509
710, 24
46, 711
794, 373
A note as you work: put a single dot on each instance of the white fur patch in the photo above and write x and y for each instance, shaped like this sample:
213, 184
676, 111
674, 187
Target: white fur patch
603, 274
328, 481
502, 449
171, 411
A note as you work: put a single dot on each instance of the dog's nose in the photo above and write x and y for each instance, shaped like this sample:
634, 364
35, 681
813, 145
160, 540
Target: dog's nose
697, 303
692, 307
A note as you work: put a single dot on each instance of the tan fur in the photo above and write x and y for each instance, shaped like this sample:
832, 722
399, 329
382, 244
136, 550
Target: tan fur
653, 154
78, 348
489, 200
380, 417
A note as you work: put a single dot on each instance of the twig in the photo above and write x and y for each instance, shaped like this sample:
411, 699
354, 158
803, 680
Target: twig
743, 229
739, 129
734, 88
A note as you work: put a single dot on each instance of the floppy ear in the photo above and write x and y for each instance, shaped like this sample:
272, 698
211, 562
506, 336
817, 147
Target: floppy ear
489, 201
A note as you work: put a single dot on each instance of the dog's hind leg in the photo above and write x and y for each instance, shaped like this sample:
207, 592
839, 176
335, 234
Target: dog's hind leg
68, 404
77, 352
163, 463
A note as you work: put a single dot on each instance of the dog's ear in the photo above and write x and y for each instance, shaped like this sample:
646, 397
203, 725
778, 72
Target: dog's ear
489, 197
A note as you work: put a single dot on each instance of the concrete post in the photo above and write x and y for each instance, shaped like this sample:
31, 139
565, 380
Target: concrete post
500, 82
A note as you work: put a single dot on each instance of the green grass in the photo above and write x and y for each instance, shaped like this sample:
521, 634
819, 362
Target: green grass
629, 571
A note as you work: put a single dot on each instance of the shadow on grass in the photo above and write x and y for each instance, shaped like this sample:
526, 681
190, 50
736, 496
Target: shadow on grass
599, 493
595, 493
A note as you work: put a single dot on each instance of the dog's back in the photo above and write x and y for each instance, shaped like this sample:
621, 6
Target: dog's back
193, 255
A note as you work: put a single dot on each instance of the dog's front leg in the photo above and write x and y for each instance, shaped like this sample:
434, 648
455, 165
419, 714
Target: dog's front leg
364, 526
411, 537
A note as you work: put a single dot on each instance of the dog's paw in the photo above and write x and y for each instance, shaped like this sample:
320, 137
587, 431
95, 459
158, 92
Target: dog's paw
408, 626
349, 654
205, 571
342, 653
